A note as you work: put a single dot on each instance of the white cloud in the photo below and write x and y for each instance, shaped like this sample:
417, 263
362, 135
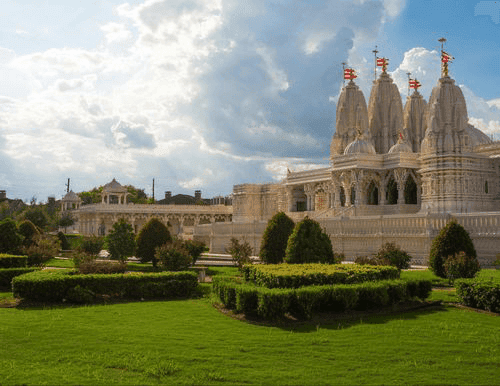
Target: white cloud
116, 32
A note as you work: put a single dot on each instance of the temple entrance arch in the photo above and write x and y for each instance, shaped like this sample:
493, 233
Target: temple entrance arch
391, 195
410, 191
372, 194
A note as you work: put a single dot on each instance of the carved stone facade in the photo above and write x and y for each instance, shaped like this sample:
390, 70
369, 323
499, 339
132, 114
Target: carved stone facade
98, 219
395, 175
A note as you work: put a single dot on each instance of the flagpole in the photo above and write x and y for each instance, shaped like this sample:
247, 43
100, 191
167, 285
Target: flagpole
408, 73
375, 52
343, 73
444, 65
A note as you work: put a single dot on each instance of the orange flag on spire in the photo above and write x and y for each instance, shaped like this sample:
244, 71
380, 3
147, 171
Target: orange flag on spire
349, 73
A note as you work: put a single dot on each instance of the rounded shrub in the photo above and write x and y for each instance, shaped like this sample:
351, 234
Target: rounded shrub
461, 266
394, 255
29, 231
91, 245
10, 239
275, 238
309, 244
152, 235
452, 239
173, 256
195, 249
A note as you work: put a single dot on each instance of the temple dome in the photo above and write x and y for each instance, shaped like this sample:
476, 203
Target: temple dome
385, 113
359, 146
400, 147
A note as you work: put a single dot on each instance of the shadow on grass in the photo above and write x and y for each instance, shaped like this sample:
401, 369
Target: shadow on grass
342, 320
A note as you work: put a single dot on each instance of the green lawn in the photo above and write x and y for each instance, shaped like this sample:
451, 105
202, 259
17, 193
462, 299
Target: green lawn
60, 263
190, 342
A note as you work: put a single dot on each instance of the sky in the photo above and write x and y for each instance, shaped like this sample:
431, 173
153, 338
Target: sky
207, 94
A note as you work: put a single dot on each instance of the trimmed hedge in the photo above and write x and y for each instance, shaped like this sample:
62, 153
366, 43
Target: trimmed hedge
305, 301
7, 274
57, 286
13, 261
479, 293
299, 275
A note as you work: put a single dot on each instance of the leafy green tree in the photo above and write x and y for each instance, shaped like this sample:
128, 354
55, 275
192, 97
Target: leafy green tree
240, 252
309, 244
152, 235
29, 231
37, 216
451, 240
461, 266
65, 221
195, 249
10, 239
275, 238
64, 241
121, 240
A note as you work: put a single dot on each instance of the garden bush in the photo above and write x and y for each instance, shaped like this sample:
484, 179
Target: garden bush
195, 249
13, 261
461, 266
394, 255
64, 241
309, 244
88, 264
56, 286
7, 274
44, 248
152, 235
371, 260
305, 301
121, 240
452, 239
10, 239
275, 238
240, 252
299, 275
29, 232
91, 245
173, 256
482, 293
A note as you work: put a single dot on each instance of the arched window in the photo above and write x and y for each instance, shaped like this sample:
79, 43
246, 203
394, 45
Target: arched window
353, 195
391, 194
372, 194
410, 191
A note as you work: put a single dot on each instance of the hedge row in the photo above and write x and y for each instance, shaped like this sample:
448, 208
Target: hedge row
299, 275
479, 293
304, 302
7, 274
13, 261
56, 286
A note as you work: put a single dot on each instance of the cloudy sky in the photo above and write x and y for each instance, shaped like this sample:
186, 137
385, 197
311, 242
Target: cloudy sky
206, 94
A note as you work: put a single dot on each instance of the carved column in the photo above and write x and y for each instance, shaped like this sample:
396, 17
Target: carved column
400, 177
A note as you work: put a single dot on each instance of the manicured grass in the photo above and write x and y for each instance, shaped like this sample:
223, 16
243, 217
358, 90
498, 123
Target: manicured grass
190, 342
426, 274
60, 263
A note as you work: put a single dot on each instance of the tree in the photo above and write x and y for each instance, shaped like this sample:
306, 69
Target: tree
275, 238
240, 252
10, 239
121, 240
65, 221
152, 235
29, 231
37, 216
451, 240
174, 256
195, 249
309, 244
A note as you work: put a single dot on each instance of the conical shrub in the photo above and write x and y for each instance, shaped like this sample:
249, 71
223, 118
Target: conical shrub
451, 240
309, 244
275, 238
